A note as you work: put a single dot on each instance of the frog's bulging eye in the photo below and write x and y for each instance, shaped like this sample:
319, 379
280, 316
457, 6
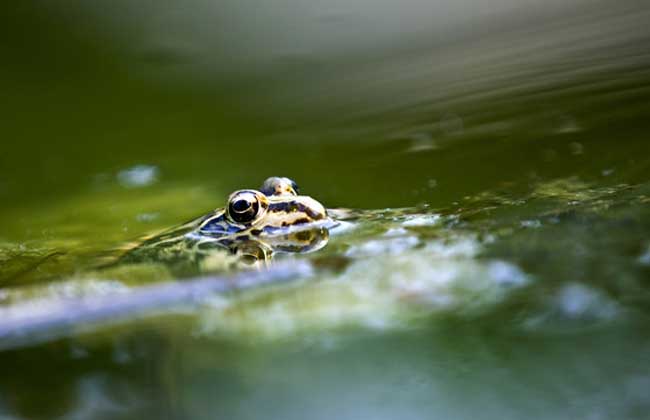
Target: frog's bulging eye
244, 207
240, 206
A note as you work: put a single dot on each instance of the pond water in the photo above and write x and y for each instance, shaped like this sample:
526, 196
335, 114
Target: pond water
490, 165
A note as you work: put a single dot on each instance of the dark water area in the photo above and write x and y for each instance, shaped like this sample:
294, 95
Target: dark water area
495, 155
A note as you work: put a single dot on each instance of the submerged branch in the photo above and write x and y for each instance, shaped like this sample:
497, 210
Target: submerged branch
32, 322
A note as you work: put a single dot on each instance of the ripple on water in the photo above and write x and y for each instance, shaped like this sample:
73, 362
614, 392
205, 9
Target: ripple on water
421, 220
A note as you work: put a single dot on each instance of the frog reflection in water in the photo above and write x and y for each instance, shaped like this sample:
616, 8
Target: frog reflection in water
253, 226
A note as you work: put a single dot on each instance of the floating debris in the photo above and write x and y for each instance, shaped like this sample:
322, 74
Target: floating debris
71, 310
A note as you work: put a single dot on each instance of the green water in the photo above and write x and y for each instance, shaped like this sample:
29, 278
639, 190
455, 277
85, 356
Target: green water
496, 263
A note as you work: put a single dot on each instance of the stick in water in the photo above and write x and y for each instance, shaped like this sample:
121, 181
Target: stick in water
33, 322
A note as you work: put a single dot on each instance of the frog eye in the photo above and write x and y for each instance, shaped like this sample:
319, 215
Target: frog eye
244, 206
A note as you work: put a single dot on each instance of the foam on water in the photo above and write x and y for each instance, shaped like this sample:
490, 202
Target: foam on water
383, 290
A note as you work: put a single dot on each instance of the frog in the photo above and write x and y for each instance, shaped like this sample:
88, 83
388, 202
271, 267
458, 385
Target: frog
253, 227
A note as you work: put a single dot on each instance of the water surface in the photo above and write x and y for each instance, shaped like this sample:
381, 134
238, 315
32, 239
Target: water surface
496, 260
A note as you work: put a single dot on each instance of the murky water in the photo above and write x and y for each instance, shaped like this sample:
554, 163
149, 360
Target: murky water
490, 166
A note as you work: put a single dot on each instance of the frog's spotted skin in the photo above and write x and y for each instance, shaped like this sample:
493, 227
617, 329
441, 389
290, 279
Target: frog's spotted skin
254, 224
279, 186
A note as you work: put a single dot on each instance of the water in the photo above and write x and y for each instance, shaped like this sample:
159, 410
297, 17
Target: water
495, 262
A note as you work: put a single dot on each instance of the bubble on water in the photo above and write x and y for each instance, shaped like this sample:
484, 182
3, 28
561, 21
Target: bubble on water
138, 176
432, 183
